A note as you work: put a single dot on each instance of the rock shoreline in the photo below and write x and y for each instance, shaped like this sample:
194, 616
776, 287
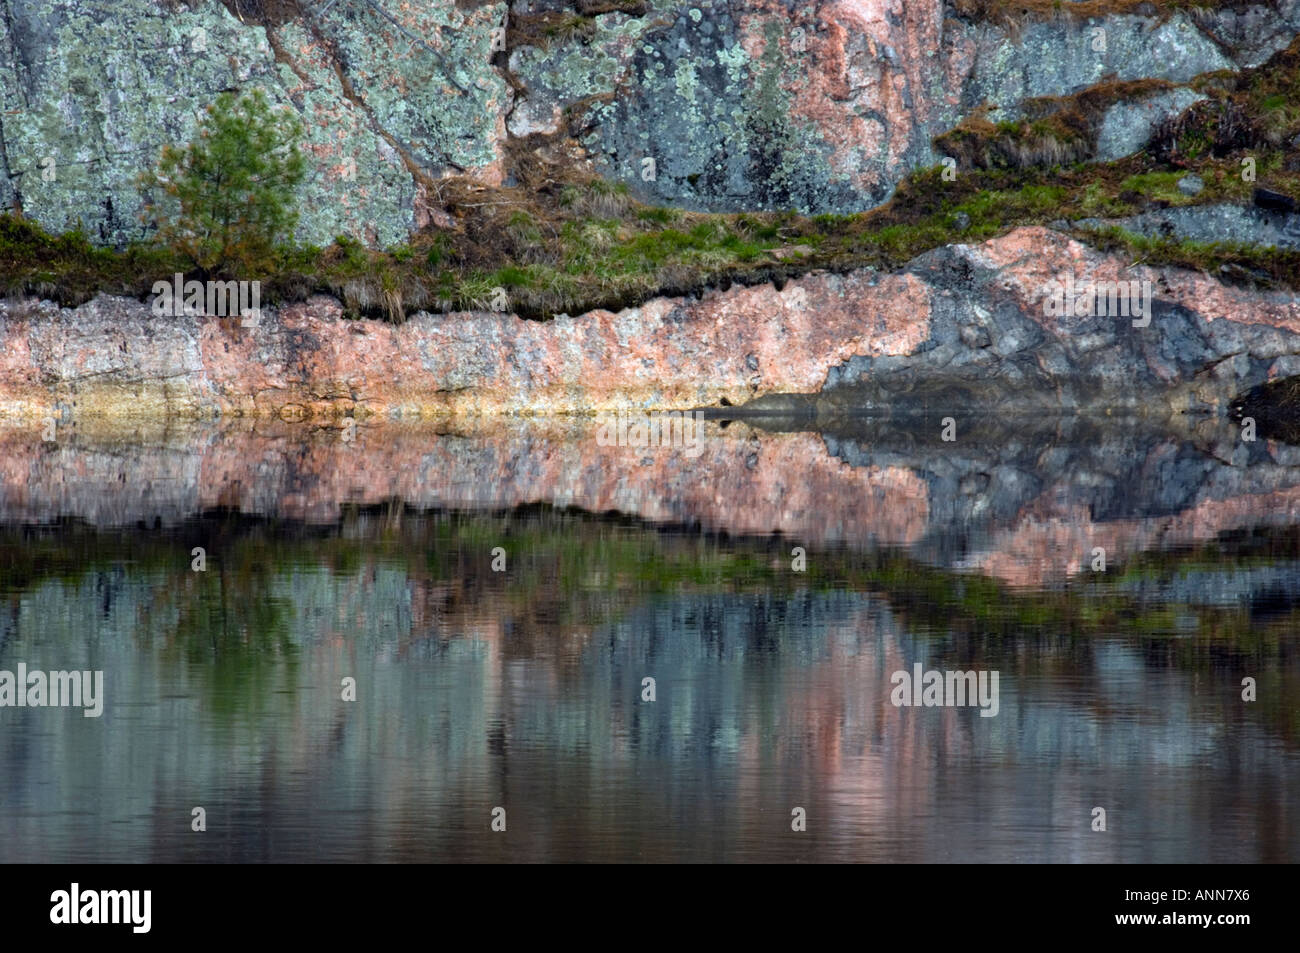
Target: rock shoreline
960, 328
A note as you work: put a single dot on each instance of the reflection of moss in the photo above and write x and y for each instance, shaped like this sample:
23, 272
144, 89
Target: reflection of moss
234, 636
567, 570
1161, 621
565, 552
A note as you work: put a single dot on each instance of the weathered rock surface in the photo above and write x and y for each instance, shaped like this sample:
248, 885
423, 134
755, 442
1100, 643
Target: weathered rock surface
742, 104
93, 89
992, 342
962, 327
1246, 225
1128, 126
113, 357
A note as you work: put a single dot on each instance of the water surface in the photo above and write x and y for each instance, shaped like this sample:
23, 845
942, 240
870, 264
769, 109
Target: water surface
368, 555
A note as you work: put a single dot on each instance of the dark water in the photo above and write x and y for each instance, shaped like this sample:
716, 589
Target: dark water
372, 559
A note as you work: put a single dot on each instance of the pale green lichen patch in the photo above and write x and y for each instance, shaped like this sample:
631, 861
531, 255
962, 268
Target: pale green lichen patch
427, 80
90, 99
357, 176
563, 72
710, 126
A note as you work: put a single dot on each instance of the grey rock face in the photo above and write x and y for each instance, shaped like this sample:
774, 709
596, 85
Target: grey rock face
93, 89
1254, 32
1058, 57
569, 72
718, 124
1216, 223
998, 351
739, 134
742, 104
1128, 126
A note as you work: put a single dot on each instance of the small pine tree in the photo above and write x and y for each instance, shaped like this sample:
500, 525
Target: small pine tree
229, 194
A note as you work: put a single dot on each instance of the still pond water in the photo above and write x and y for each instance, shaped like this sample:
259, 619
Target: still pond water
369, 555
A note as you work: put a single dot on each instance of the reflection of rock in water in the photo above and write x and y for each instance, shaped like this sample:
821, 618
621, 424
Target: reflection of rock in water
1273, 408
1026, 500
765, 701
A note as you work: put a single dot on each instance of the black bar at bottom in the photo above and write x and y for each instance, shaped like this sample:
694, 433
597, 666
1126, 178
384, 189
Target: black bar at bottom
333, 903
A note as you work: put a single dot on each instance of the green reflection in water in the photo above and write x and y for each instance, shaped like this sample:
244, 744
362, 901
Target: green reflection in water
231, 626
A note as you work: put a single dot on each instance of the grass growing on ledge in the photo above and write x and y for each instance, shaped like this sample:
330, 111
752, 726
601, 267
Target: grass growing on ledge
1051, 130
600, 249
1230, 262
564, 242
68, 268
